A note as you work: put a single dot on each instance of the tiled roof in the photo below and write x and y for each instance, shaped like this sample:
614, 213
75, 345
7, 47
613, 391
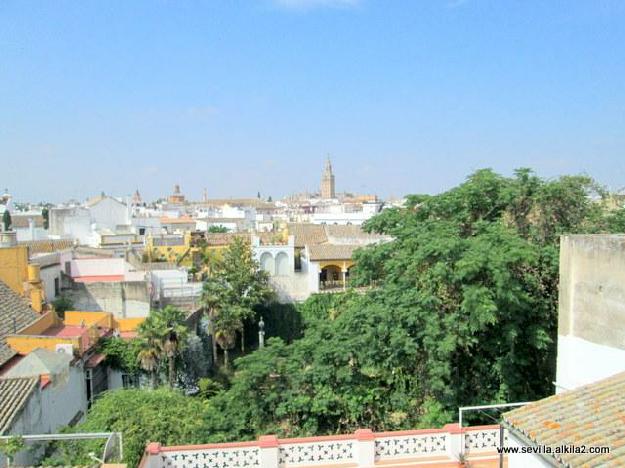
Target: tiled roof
350, 231
14, 315
307, 234
592, 415
48, 246
222, 239
331, 252
98, 198
241, 202
14, 394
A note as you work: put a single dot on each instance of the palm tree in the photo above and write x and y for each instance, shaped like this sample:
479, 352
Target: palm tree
174, 337
227, 324
163, 334
148, 360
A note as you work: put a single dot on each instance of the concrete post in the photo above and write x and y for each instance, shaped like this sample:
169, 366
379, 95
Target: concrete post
152, 452
268, 451
455, 444
365, 448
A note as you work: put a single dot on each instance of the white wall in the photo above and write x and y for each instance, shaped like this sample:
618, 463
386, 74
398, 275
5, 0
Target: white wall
591, 309
51, 408
524, 460
109, 213
48, 275
31, 234
581, 362
98, 267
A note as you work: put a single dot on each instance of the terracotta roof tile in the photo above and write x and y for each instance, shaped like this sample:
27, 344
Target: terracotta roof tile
331, 252
216, 239
14, 394
14, 315
48, 246
307, 233
591, 415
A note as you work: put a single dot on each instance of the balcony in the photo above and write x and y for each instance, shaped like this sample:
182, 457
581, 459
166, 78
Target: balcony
442, 448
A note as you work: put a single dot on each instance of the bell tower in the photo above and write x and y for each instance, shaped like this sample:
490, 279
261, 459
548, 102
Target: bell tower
327, 181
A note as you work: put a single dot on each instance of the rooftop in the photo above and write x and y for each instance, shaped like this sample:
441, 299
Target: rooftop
331, 252
15, 314
14, 394
592, 415
48, 246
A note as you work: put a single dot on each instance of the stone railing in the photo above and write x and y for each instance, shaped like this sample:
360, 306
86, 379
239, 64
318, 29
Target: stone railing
412, 444
363, 448
234, 455
321, 451
482, 438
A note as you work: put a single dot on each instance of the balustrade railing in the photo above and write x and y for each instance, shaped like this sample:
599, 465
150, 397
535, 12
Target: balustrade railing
363, 448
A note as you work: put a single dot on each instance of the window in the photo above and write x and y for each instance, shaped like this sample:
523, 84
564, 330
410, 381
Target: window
57, 288
130, 381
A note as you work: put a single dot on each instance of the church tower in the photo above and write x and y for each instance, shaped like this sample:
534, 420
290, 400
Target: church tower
327, 181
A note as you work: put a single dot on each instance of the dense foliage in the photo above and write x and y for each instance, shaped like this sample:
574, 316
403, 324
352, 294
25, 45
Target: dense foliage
234, 287
463, 312
141, 416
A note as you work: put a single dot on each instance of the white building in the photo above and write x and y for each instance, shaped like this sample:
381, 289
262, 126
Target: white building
345, 213
41, 394
591, 311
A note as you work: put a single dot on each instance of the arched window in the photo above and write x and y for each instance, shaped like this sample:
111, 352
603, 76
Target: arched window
266, 263
282, 264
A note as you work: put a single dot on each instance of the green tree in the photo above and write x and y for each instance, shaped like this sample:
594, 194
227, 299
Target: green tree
122, 354
11, 447
217, 229
464, 312
162, 415
62, 304
6, 220
234, 286
162, 338
45, 214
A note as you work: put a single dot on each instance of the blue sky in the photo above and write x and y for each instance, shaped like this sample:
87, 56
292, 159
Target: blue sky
241, 96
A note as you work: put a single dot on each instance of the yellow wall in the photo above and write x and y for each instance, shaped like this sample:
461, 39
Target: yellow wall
30, 338
99, 319
128, 324
25, 344
14, 267
169, 253
341, 264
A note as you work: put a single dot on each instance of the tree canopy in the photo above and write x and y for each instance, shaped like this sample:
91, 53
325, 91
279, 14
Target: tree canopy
464, 311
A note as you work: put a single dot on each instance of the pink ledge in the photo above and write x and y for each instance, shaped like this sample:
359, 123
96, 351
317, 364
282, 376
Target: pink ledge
408, 432
223, 445
153, 448
268, 441
364, 434
303, 440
